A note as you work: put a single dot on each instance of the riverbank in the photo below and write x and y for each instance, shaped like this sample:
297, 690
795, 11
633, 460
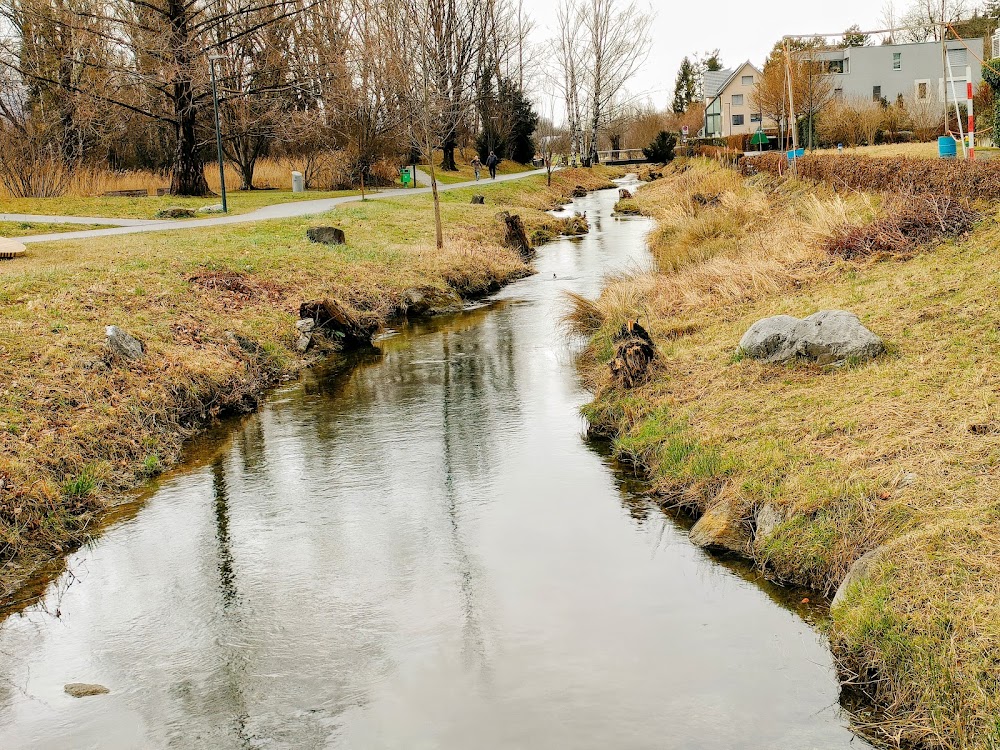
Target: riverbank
804, 469
215, 311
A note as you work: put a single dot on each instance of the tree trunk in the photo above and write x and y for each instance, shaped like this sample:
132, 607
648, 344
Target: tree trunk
448, 147
189, 170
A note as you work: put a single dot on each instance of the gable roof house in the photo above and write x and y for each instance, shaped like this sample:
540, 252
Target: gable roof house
728, 110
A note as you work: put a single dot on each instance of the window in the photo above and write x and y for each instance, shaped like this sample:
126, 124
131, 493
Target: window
835, 66
737, 119
746, 80
755, 117
737, 100
876, 93
922, 89
897, 60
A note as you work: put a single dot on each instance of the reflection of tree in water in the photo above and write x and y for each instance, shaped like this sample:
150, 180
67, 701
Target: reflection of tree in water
234, 657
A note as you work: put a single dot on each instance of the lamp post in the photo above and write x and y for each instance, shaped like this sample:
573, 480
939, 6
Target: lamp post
218, 131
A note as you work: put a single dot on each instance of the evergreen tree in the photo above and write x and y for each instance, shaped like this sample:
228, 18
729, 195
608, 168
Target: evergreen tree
509, 122
685, 86
661, 150
854, 38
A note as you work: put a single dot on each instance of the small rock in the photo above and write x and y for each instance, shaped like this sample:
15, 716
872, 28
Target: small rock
624, 194
303, 342
216, 209
429, 300
721, 527
305, 324
861, 567
825, 337
766, 520
479, 200
123, 345
84, 689
326, 235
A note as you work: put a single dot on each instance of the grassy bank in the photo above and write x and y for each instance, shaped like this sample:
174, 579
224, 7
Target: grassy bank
804, 468
216, 311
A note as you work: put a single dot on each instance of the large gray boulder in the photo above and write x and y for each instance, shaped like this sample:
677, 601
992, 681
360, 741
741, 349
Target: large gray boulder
824, 337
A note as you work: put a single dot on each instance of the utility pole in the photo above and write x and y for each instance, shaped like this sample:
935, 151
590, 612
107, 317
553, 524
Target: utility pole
218, 132
791, 105
945, 73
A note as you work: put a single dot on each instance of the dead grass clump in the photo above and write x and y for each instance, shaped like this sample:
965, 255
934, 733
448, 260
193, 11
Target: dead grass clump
583, 316
908, 223
229, 283
627, 207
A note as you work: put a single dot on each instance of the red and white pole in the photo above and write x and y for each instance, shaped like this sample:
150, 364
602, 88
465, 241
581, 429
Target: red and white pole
972, 118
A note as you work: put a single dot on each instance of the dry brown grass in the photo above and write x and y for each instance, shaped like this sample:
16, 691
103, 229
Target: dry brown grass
902, 451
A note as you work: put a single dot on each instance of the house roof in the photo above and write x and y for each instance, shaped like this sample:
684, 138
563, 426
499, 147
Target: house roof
712, 93
715, 80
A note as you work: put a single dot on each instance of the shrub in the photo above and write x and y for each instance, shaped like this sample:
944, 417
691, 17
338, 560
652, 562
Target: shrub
910, 221
661, 150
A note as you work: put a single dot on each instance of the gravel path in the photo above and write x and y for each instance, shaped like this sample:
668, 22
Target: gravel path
277, 211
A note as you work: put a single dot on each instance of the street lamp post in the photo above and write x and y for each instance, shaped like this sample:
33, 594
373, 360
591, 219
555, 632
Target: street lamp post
218, 132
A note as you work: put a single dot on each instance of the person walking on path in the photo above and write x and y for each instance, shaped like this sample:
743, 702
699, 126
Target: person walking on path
491, 162
477, 166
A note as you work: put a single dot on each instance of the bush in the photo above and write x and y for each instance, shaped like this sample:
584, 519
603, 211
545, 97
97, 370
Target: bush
908, 222
661, 150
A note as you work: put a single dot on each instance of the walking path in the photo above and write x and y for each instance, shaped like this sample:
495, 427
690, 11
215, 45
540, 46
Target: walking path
36, 219
277, 211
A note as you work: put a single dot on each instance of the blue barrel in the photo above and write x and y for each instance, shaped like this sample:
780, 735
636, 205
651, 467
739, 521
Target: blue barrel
946, 147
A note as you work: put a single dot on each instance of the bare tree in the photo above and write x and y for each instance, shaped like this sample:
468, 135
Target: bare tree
619, 43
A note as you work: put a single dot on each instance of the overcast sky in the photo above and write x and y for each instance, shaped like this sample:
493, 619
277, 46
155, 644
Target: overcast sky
686, 28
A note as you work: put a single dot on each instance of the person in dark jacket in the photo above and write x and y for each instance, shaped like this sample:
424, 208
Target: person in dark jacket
491, 162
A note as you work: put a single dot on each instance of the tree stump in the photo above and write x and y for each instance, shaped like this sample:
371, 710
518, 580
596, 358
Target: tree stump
515, 236
634, 353
333, 320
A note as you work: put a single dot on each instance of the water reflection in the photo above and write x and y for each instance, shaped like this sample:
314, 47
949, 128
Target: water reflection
418, 551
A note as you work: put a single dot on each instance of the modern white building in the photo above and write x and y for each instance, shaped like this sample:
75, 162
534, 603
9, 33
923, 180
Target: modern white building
911, 71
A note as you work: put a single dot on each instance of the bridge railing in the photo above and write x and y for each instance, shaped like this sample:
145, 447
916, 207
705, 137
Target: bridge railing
622, 154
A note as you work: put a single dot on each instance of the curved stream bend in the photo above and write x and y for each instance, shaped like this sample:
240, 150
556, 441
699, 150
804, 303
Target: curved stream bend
420, 552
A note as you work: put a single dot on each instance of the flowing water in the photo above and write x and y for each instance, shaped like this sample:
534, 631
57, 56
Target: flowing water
421, 551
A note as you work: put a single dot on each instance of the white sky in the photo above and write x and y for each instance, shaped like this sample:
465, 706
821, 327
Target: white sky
685, 28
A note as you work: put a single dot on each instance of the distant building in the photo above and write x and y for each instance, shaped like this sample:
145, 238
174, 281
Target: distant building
912, 71
728, 110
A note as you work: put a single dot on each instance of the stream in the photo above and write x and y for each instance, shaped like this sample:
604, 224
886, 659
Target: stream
421, 551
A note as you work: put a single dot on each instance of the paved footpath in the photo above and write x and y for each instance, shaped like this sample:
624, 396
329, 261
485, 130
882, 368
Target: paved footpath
277, 211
